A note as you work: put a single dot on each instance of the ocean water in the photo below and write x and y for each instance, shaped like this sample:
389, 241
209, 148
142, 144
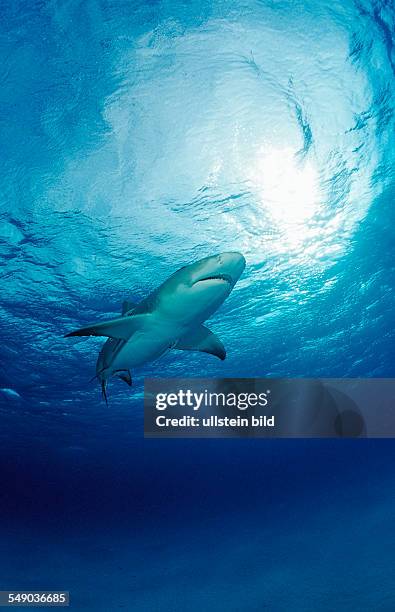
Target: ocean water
138, 137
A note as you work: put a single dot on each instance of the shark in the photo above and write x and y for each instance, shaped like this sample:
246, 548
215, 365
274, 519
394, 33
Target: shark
171, 317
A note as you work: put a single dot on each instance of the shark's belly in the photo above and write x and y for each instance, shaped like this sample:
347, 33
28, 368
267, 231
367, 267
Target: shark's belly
141, 348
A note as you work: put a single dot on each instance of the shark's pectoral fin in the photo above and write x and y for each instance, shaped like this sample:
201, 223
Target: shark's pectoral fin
126, 306
120, 329
124, 375
203, 340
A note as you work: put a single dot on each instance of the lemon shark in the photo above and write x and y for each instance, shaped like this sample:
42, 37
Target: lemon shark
171, 317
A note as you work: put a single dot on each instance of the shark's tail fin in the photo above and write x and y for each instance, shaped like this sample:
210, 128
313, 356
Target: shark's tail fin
103, 391
97, 375
103, 382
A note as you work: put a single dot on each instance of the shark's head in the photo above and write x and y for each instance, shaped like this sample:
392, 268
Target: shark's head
217, 269
195, 291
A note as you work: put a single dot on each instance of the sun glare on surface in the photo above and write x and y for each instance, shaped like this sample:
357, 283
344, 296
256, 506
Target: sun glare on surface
287, 187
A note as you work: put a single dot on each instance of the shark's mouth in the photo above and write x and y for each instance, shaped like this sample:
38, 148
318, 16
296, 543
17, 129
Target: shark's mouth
222, 277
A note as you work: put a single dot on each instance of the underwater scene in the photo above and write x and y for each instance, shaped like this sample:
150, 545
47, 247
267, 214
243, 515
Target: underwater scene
140, 137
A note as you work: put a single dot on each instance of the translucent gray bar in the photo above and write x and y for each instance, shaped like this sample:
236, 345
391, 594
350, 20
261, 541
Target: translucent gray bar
270, 407
24, 599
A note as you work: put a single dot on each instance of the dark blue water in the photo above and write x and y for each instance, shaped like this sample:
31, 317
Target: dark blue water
136, 138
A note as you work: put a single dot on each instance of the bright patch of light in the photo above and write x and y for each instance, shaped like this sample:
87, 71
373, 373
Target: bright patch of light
287, 187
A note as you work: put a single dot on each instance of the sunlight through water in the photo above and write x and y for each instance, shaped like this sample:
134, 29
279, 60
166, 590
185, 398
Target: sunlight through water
137, 138
160, 136
288, 189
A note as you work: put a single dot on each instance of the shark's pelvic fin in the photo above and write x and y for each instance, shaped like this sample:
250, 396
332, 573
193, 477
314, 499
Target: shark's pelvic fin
126, 306
124, 375
120, 329
203, 340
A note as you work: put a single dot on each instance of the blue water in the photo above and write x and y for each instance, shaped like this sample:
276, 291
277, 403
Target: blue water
138, 137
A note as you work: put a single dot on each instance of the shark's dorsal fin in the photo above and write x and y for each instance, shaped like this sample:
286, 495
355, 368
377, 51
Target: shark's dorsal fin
125, 375
203, 340
121, 328
126, 306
